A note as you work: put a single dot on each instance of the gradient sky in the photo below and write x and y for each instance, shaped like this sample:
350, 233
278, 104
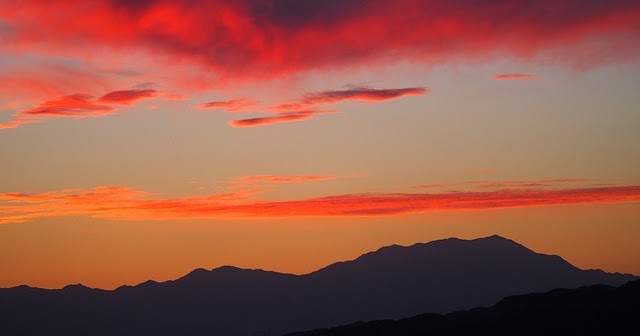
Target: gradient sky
143, 139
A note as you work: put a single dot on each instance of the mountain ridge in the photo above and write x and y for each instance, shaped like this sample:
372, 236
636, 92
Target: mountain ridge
384, 249
392, 282
587, 310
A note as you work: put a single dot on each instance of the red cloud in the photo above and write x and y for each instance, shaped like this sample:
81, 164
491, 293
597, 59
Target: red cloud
123, 203
73, 106
126, 96
360, 93
513, 76
305, 107
76, 106
265, 39
279, 118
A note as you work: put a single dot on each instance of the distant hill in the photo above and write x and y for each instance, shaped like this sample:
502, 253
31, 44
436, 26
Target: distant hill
391, 283
592, 310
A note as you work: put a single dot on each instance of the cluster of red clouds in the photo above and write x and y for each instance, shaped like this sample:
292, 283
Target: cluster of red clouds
70, 43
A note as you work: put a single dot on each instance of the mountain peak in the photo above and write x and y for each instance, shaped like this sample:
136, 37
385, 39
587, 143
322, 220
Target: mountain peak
494, 237
76, 287
199, 270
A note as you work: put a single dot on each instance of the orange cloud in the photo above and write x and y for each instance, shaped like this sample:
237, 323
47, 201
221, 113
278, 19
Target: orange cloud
122, 203
513, 76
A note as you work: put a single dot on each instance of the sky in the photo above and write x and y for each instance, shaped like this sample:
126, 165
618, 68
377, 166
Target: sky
143, 139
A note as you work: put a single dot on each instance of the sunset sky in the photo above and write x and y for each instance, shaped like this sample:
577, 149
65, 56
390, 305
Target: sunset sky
143, 139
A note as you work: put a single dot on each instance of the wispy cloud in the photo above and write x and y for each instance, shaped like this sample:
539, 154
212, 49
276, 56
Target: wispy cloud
506, 184
309, 105
234, 105
357, 93
73, 106
278, 118
284, 178
122, 203
523, 184
126, 96
77, 106
512, 76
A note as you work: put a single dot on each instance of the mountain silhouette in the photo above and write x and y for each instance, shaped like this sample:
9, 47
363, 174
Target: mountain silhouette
390, 283
592, 310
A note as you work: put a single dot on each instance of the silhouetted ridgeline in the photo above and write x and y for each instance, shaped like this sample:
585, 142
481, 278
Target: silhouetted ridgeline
593, 310
391, 283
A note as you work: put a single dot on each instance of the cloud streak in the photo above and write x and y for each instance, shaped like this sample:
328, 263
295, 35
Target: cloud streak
234, 105
285, 178
505, 184
73, 106
278, 118
307, 106
77, 106
126, 97
358, 93
122, 203
513, 76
